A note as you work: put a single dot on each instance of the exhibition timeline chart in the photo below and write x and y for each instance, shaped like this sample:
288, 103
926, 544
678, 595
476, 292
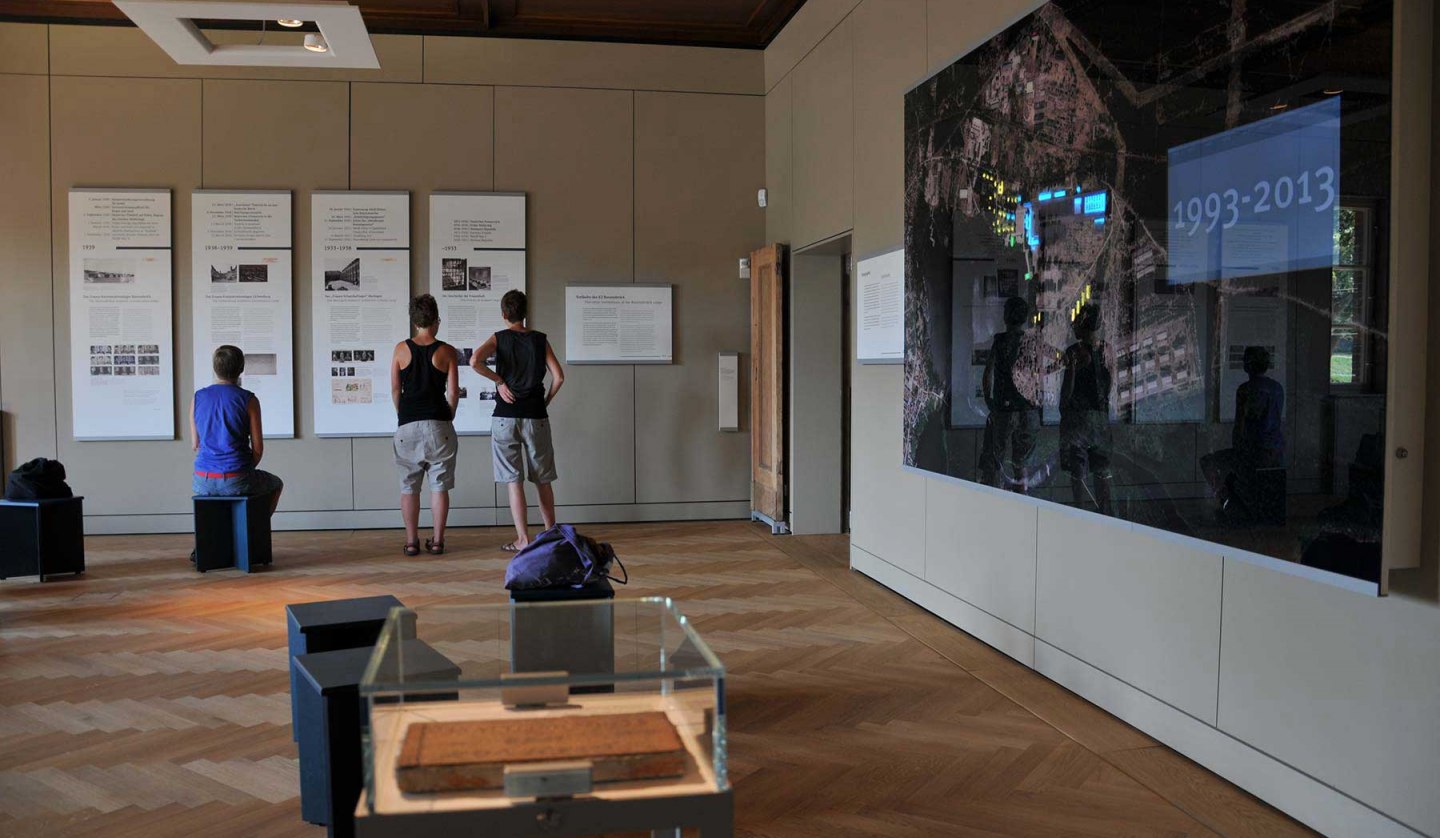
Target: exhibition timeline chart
477, 253
619, 324
122, 378
360, 280
243, 281
880, 294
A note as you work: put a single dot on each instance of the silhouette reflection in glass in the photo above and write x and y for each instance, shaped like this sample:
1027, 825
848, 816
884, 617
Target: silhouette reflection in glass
1249, 477
1013, 419
1085, 413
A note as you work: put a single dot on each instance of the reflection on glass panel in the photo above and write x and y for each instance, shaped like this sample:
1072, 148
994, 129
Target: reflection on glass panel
1140, 270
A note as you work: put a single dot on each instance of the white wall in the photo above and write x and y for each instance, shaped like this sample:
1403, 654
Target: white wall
1323, 701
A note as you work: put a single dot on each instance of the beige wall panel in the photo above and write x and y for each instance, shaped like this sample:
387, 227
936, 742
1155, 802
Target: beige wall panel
27, 385
807, 28
956, 28
278, 135
887, 504
824, 126
1138, 605
24, 48
1330, 680
572, 152
390, 125
535, 63
698, 161
778, 163
126, 51
454, 125
137, 133
980, 547
886, 31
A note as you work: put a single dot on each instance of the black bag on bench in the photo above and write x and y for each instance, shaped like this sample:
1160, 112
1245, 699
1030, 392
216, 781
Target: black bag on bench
39, 479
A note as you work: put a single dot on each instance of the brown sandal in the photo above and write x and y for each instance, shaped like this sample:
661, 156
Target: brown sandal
510, 548
435, 548
412, 548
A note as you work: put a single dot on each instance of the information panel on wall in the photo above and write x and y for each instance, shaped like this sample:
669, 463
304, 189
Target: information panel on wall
360, 280
477, 253
619, 324
122, 365
242, 270
879, 309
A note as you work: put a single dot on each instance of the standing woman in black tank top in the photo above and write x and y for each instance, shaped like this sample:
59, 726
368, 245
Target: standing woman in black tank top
425, 386
520, 443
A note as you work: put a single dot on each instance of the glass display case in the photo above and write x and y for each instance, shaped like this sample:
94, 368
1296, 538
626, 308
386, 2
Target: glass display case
486, 709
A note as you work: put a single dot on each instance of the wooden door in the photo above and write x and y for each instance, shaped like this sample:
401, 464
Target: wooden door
767, 383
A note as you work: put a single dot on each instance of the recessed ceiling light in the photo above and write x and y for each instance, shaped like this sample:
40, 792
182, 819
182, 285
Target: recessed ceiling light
1334, 91
341, 41
290, 22
1279, 106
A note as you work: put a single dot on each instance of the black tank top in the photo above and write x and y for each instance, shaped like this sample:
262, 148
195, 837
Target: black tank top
422, 387
520, 361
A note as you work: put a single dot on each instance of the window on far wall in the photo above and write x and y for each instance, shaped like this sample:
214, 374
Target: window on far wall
1350, 292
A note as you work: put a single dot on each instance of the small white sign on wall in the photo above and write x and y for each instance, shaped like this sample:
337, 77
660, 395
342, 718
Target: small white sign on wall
729, 375
619, 324
880, 309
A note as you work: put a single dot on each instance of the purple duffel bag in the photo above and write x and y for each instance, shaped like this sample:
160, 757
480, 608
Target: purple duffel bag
560, 557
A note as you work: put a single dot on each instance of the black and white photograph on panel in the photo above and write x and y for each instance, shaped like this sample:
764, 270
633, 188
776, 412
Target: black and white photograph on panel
109, 271
452, 274
342, 273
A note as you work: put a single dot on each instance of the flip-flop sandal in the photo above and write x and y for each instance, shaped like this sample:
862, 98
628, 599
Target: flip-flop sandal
412, 548
510, 548
435, 548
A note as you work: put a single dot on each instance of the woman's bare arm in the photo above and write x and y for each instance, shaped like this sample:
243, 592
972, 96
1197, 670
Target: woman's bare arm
557, 372
257, 431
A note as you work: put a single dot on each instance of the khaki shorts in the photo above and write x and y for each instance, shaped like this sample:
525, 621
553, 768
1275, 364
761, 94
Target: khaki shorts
522, 447
426, 449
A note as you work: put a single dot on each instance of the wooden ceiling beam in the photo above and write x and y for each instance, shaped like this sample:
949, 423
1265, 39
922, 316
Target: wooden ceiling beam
660, 22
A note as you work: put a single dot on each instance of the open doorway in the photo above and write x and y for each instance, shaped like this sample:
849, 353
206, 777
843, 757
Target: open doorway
819, 376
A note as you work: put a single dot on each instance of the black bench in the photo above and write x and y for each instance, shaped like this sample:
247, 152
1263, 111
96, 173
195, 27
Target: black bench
42, 537
231, 532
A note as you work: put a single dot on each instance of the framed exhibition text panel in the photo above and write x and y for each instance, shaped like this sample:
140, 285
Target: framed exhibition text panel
360, 288
122, 364
242, 270
477, 254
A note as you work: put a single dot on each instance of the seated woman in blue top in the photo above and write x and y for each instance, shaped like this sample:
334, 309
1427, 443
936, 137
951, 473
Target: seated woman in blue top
227, 436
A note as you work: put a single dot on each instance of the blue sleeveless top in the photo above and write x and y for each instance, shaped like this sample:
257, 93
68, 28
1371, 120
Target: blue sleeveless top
222, 420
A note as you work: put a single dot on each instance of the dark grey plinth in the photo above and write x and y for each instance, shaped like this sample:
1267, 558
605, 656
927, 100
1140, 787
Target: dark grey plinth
330, 718
42, 537
333, 624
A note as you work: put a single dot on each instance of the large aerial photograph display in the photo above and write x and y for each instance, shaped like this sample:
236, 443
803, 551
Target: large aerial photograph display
1146, 269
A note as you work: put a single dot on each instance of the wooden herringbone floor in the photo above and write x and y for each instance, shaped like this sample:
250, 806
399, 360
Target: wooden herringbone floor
148, 700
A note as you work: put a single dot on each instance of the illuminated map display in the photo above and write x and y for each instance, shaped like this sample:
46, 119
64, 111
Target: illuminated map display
1145, 273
